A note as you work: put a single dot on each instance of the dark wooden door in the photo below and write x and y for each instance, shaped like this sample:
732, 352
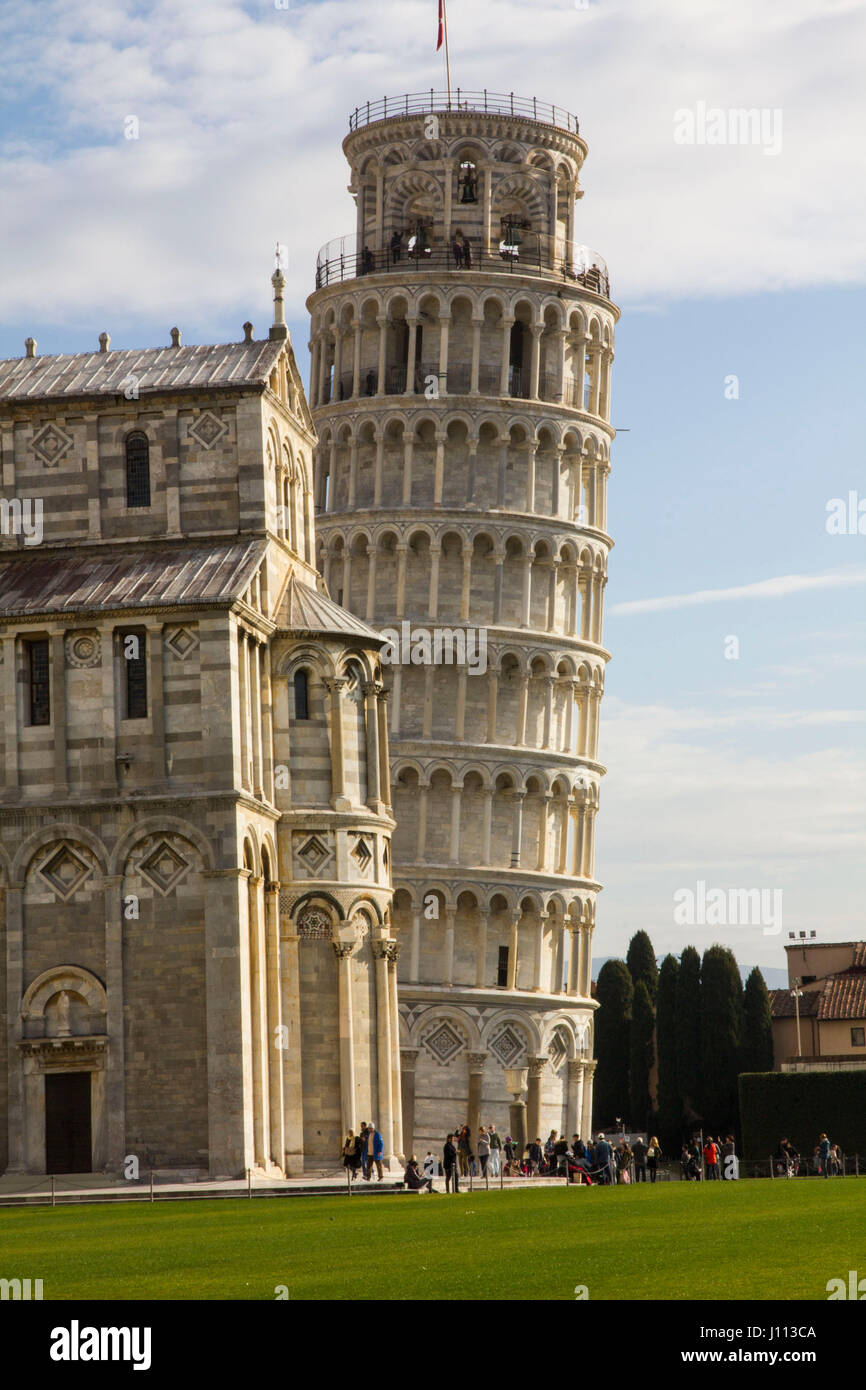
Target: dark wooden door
67, 1122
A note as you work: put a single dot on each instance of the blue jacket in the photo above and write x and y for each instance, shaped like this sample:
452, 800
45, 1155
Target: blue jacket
603, 1153
378, 1144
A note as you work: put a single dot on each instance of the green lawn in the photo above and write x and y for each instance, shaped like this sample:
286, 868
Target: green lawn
755, 1240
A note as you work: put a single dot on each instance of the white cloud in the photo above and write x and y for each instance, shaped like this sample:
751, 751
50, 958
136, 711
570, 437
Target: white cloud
781, 586
242, 112
687, 797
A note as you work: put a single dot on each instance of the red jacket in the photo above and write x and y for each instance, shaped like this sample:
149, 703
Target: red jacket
711, 1153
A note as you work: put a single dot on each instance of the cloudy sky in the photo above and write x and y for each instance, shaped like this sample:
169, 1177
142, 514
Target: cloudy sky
739, 269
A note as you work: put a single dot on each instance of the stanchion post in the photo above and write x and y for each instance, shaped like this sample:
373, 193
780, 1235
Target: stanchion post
250, 1183
52, 1190
349, 1179
151, 1184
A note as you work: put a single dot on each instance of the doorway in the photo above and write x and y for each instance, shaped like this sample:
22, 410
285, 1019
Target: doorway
68, 1145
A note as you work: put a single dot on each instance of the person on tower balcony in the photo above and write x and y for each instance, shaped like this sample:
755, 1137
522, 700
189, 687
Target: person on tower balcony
457, 250
467, 253
396, 247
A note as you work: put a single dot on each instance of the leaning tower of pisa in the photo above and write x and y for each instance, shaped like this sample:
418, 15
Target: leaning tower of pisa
462, 341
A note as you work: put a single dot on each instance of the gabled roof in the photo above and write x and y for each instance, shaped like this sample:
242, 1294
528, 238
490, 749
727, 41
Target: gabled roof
305, 610
154, 369
782, 1003
840, 996
133, 578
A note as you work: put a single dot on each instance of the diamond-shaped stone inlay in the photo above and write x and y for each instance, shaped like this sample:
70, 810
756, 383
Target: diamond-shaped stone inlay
207, 430
507, 1047
163, 867
65, 871
50, 444
444, 1043
180, 642
362, 854
313, 853
557, 1052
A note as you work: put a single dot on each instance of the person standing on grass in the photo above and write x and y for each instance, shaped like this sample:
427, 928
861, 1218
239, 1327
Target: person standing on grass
711, 1157
623, 1159
483, 1149
375, 1148
824, 1155
495, 1151
653, 1154
639, 1152
449, 1163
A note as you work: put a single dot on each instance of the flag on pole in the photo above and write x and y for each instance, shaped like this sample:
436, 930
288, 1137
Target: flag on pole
441, 25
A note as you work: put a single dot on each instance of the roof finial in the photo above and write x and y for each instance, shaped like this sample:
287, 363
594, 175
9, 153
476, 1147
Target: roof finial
278, 280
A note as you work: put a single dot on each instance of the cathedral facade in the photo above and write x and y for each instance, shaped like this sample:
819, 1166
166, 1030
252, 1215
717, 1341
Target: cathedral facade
198, 968
462, 342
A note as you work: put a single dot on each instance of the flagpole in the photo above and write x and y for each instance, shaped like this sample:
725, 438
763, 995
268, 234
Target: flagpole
447, 58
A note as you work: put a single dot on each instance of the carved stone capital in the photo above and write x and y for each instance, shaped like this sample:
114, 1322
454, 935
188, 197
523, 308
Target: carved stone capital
476, 1061
536, 1066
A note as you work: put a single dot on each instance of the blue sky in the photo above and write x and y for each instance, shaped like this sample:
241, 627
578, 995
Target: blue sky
725, 261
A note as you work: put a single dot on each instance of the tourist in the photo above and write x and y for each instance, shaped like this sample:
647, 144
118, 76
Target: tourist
837, 1163
535, 1154
653, 1154
467, 253
549, 1147
449, 1163
464, 1151
362, 1145
639, 1150
508, 1150
457, 250
483, 1147
560, 1157
602, 1156
375, 1149
431, 1167
711, 1157
413, 1180
495, 1151
623, 1161
396, 247
730, 1163
352, 1154
824, 1155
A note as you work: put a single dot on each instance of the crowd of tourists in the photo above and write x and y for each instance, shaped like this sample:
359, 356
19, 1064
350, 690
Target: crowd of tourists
827, 1160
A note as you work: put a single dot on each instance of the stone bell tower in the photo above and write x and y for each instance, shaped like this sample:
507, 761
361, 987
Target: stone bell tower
462, 343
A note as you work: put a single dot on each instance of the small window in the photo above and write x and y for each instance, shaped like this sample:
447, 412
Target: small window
137, 470
858, 1037
39, 681
302, 707
502, 968
133, 652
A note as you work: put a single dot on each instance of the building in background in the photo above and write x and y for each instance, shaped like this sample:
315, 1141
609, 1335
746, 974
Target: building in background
831, 1002
462, 342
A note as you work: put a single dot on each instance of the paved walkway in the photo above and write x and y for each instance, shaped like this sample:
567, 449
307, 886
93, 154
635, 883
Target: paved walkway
27, 1190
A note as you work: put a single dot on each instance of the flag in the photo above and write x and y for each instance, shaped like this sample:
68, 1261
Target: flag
441, 24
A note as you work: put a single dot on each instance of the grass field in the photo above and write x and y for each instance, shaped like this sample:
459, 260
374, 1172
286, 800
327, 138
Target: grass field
755, 1240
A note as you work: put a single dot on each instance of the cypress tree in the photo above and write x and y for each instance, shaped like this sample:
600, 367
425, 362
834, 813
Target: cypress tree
721, 1038
688, 1042
670, 1103
641, 1056
757, 1028
641, 961
612, 1027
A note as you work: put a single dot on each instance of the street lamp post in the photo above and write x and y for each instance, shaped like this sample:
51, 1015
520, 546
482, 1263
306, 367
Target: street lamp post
797, 995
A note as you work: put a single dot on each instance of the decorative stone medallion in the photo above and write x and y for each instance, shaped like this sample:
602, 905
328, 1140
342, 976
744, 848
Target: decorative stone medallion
65, 871
443, 1043
51, 444
180, 641
83, 649
314, 924
508, 1046
164, 867
208, 429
